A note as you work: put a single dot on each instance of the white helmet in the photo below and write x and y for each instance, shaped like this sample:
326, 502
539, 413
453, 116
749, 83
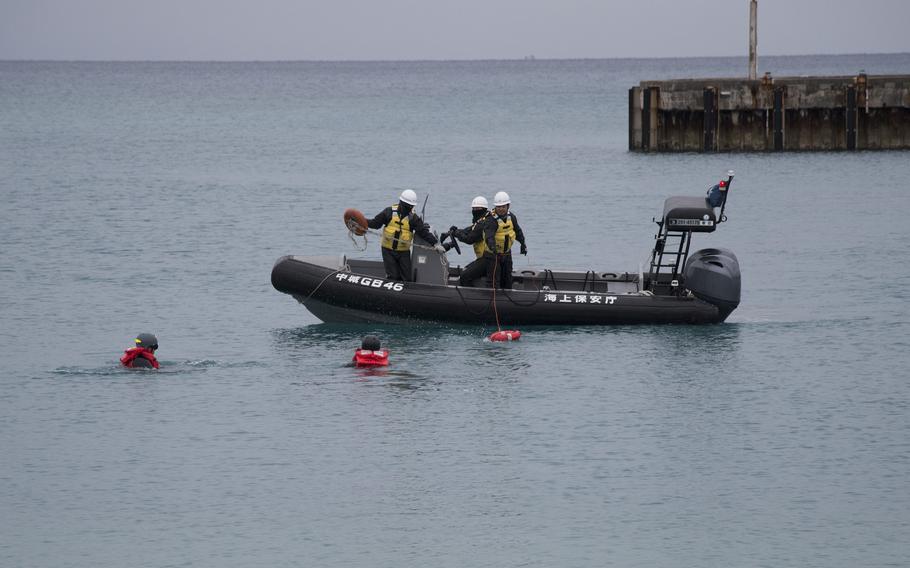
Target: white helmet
480, 201
501, 198
408, 196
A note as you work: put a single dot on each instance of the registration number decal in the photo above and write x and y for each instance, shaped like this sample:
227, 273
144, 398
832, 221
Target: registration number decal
369, 282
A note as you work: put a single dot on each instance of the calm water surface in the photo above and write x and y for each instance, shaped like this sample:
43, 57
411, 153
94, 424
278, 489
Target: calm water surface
156, 197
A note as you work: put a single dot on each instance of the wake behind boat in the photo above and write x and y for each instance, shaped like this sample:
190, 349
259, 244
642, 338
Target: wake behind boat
698, 288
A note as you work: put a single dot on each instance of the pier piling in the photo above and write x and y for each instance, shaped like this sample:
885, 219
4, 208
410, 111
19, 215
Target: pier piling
863, 112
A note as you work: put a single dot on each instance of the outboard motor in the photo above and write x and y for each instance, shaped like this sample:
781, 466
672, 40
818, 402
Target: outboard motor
712, 274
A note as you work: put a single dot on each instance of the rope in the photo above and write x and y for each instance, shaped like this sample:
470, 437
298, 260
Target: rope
318, 286
353, 227
465, 302
525, 305
584, 285
495, 311
547, 273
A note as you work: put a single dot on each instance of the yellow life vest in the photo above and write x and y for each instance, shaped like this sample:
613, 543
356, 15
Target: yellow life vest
505, 234
397, 235
480, 246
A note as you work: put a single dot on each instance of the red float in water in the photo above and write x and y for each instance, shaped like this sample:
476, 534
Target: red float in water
506, 335
369, 358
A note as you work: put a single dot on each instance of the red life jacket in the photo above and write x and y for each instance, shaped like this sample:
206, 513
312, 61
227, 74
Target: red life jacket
367, 358
132, 353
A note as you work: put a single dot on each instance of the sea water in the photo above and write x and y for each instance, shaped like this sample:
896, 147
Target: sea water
155, 197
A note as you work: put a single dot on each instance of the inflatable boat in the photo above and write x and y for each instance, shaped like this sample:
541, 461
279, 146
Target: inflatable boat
678, 287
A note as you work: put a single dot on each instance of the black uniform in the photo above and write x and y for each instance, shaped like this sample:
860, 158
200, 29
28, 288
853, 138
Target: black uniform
472, 235
398, 263
500, 263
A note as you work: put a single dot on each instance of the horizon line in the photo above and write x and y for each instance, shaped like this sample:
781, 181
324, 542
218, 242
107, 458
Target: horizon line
526, 58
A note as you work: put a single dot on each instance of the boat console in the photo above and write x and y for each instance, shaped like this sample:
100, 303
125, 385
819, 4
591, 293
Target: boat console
710, 274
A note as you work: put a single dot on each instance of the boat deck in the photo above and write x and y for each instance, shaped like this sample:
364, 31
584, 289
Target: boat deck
530, 278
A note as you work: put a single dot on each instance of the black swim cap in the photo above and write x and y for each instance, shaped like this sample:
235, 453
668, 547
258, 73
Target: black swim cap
147, 340
370, 342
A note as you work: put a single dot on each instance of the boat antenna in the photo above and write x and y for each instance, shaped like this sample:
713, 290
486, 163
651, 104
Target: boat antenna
424, 208
730, 174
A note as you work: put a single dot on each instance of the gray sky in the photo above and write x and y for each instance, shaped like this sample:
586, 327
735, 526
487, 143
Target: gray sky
432, 29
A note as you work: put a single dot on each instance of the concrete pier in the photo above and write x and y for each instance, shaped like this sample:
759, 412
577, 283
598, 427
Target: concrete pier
865, 112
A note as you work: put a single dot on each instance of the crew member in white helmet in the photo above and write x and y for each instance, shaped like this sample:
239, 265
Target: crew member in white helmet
500, 232
400, 224
473, 235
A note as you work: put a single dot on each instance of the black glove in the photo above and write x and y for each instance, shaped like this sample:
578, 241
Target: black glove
447, 246
453, 229
524, 249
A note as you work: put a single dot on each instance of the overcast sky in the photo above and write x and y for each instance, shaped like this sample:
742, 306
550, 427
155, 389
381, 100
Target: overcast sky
433, 29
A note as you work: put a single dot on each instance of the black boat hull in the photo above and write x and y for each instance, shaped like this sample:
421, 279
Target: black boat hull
334, 294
